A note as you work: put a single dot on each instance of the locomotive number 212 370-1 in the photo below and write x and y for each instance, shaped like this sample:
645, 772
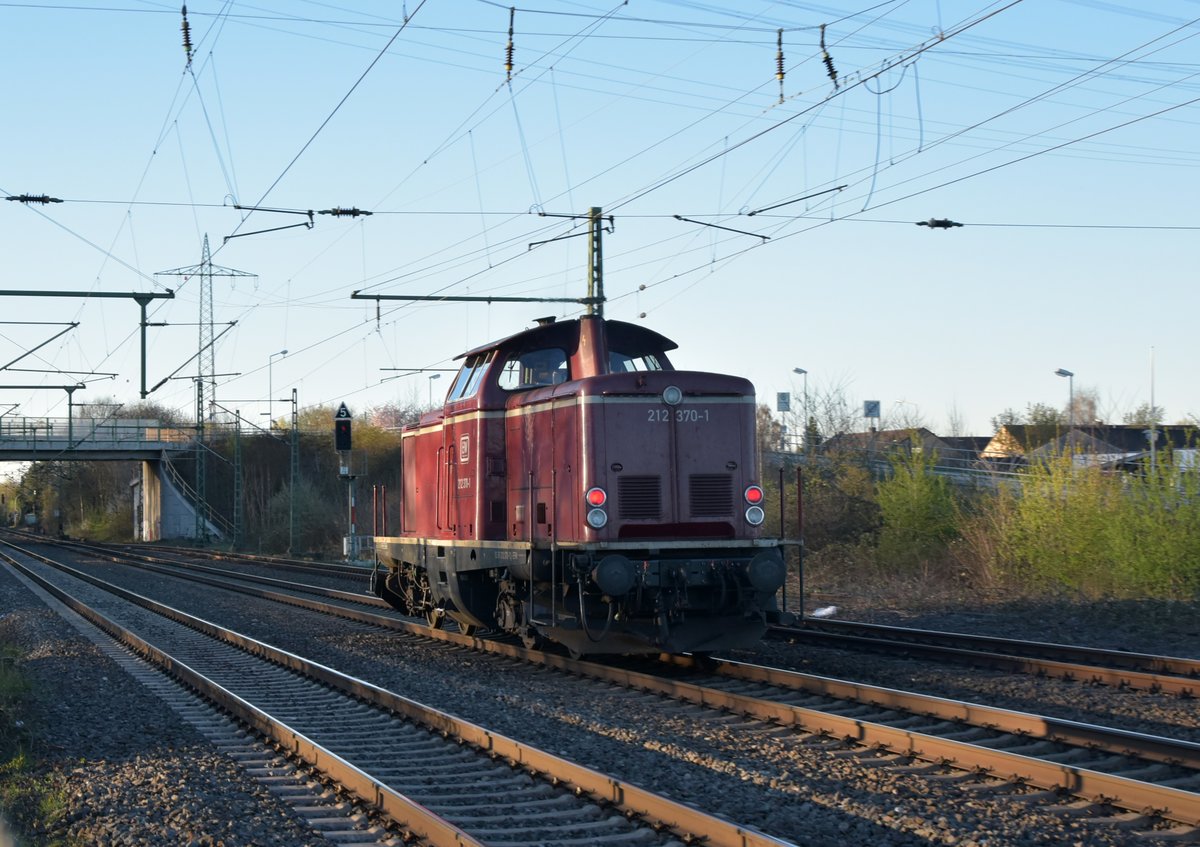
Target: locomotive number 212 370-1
679, 415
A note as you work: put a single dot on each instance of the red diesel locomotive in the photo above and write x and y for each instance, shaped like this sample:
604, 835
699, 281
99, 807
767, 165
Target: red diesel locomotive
575, 487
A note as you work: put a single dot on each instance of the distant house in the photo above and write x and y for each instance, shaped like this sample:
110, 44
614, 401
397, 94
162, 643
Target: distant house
952, 452
1104, 446
963, 450
880, 441
1016, 445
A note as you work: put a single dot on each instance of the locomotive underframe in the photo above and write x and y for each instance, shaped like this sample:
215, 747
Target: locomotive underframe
624, 597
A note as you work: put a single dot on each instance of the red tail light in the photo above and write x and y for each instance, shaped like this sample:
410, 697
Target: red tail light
596, 497
754, 495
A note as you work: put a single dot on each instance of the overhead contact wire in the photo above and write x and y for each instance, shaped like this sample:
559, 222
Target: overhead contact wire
330, 117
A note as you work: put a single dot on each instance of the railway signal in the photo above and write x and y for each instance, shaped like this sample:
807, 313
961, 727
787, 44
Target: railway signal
341, 429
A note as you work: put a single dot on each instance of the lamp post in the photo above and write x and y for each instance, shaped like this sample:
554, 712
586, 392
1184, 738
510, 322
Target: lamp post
1070, 396
271, 388
432, 377
804, 426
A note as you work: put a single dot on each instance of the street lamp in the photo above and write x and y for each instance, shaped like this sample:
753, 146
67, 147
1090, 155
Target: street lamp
1070, 396
804, 427
271, 388
432, 377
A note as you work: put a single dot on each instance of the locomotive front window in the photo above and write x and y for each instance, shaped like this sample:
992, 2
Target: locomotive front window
477, 373
534, 369
469, 377
619, 363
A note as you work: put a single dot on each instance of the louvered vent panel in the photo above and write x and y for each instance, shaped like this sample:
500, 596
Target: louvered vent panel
639, 497
710, 495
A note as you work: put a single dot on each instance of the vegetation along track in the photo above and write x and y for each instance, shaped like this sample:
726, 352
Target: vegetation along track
1132, 770
447, 781
1141, 671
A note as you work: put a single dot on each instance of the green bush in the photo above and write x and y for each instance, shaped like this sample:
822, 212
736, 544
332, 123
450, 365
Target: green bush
113, 524
1102, 534
918, 511
840, 509
319, 523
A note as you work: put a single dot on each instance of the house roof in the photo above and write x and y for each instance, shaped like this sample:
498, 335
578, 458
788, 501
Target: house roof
1017, 439
878, 440
967, 443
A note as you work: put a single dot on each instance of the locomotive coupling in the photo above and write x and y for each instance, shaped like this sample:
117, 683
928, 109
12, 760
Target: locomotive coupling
767, 572
615, 575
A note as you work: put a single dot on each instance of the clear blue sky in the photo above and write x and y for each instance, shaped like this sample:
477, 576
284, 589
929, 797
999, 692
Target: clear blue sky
1062, 133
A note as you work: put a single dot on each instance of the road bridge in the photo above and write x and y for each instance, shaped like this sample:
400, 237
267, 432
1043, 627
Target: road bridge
164, 506
86, 439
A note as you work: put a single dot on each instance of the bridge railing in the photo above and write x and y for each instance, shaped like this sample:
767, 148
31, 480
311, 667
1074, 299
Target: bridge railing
84, 432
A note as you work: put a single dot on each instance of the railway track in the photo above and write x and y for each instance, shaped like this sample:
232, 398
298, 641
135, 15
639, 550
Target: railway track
443, 780
275, 562
1139, 671
1143, 773
1121, 669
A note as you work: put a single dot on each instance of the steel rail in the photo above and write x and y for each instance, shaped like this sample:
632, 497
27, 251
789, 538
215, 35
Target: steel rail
1174, 804
1117, 741
1133, 660
1169, 802
422, 822
1060, 730
332, 568
171, 567
328, 568
661, 813
1117, 668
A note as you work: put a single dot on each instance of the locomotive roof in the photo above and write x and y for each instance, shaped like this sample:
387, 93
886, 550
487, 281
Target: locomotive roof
564, 333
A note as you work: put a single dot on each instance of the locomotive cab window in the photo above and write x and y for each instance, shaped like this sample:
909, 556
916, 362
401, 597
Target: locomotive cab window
619, 363
470, 376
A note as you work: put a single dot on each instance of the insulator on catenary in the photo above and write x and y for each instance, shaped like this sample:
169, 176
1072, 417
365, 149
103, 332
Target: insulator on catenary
779, 62
508, 53
187, 36
42, 199
339, 212
825, 57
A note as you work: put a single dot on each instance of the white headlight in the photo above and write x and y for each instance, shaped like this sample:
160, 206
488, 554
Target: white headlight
754, 516
672, 395
597, 518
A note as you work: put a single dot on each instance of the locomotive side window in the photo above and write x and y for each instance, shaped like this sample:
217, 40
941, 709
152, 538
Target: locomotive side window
469, 377
534, 369
619, 363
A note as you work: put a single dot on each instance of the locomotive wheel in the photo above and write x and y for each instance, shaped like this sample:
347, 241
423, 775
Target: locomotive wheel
435, 617
532, 640
467, 629
704, 660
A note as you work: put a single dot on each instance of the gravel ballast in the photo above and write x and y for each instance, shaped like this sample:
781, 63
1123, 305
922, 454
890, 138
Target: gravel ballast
127, 769
799, 789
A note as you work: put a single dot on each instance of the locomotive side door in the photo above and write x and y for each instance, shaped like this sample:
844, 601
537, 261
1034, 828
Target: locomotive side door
464, 450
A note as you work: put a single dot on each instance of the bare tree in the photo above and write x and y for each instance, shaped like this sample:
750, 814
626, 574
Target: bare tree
769, 430
831, 411
954, 421
393, 415
903, 415
1084, 407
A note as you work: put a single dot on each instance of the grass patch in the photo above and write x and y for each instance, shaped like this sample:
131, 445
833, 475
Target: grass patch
31, 802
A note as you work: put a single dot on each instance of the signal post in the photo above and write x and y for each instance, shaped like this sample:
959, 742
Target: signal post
347, 470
